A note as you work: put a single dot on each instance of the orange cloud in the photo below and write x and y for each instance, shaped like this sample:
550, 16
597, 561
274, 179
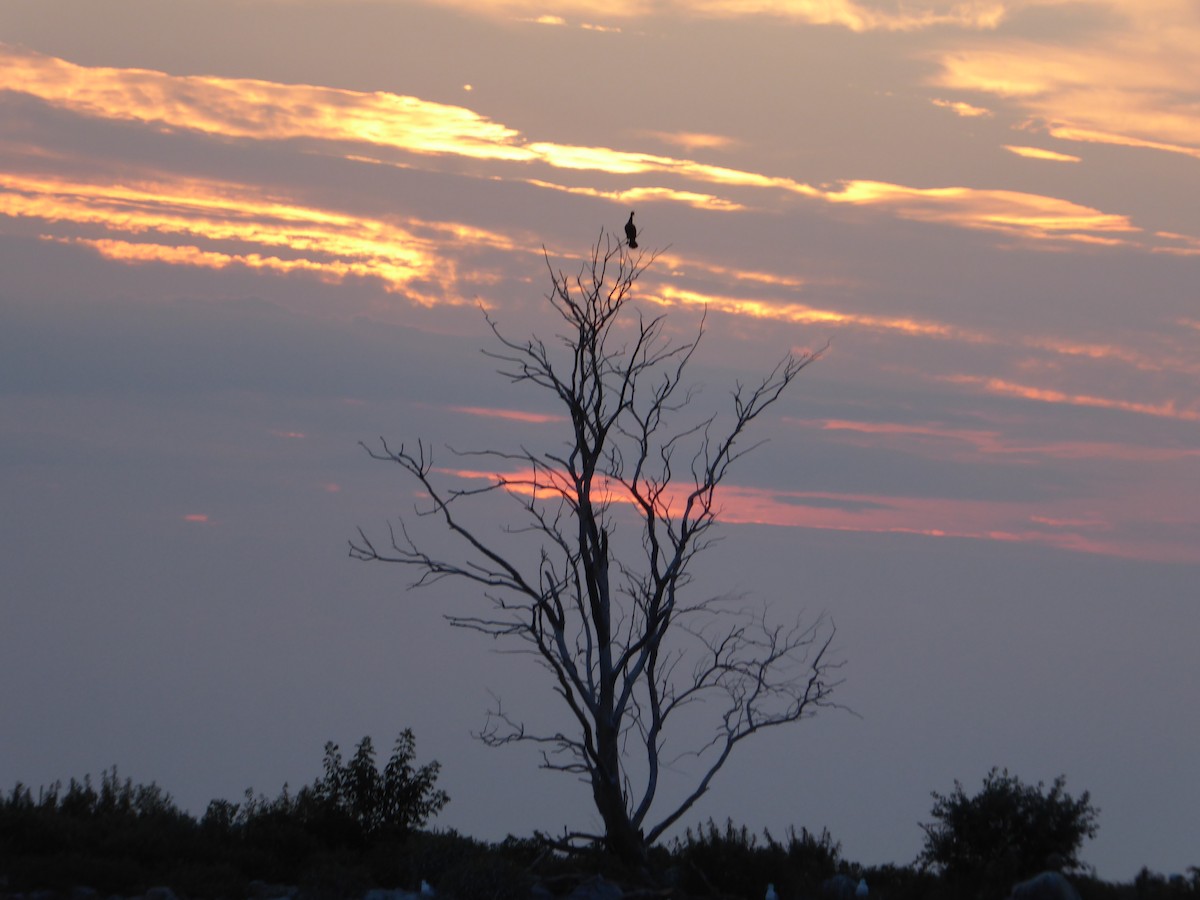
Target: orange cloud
250, 108
691, 141
200, 518
1014, 212
1063, 527
1039, 153
1159, 362
381, 124
163, 219
856, 15
1168, 409
633, 196
514, 415
939, 441
261, 110
966, 110
1190, 245
804, 314
681, 266
1130, 80
1093, 136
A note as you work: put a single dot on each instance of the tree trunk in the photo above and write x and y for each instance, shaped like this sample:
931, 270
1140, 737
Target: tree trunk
621, 838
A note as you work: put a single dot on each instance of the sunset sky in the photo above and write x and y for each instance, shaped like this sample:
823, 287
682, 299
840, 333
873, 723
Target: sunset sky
239, 236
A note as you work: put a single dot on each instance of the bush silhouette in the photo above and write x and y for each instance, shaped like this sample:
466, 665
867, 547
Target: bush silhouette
119, 837
1006, 832
729, 860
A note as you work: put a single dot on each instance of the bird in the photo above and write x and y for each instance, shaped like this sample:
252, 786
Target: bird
771, 895
862, 890
631, 233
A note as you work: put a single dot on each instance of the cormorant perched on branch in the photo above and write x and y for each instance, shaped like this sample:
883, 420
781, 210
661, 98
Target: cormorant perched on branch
631, 233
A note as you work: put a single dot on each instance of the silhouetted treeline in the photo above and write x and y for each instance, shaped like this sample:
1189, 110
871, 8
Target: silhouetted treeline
118, 837
359, 826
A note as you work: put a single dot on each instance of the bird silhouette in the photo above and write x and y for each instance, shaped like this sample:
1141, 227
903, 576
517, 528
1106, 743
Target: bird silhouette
631, 233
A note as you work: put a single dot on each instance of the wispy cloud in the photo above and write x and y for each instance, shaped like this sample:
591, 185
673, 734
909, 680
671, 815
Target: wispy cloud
1013, 212
160, 218
935, 440
691, 141
1166, 409
1074, 525
801, 313
1130, 79
856, 15
1040, 153
963, 109
513, 415
363, 125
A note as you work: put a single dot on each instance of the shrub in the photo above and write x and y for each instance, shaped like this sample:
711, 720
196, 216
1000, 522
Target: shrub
730, 860
1006, 832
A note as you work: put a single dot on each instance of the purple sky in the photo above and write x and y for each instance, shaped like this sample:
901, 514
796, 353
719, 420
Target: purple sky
238, 237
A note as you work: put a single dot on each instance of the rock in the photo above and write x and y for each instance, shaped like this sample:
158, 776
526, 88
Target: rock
596, 888
1046, 886
839, 887
262, 890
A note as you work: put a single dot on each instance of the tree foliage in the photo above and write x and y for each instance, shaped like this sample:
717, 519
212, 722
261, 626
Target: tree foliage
627, 648
1007, 831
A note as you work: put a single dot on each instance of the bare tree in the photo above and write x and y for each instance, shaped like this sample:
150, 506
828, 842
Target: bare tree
626, 651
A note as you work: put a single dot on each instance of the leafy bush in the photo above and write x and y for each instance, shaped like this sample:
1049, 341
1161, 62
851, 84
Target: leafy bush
1006, 832
117, 835
399, 798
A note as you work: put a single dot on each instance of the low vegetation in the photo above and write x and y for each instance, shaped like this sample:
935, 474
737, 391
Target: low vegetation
360, 826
